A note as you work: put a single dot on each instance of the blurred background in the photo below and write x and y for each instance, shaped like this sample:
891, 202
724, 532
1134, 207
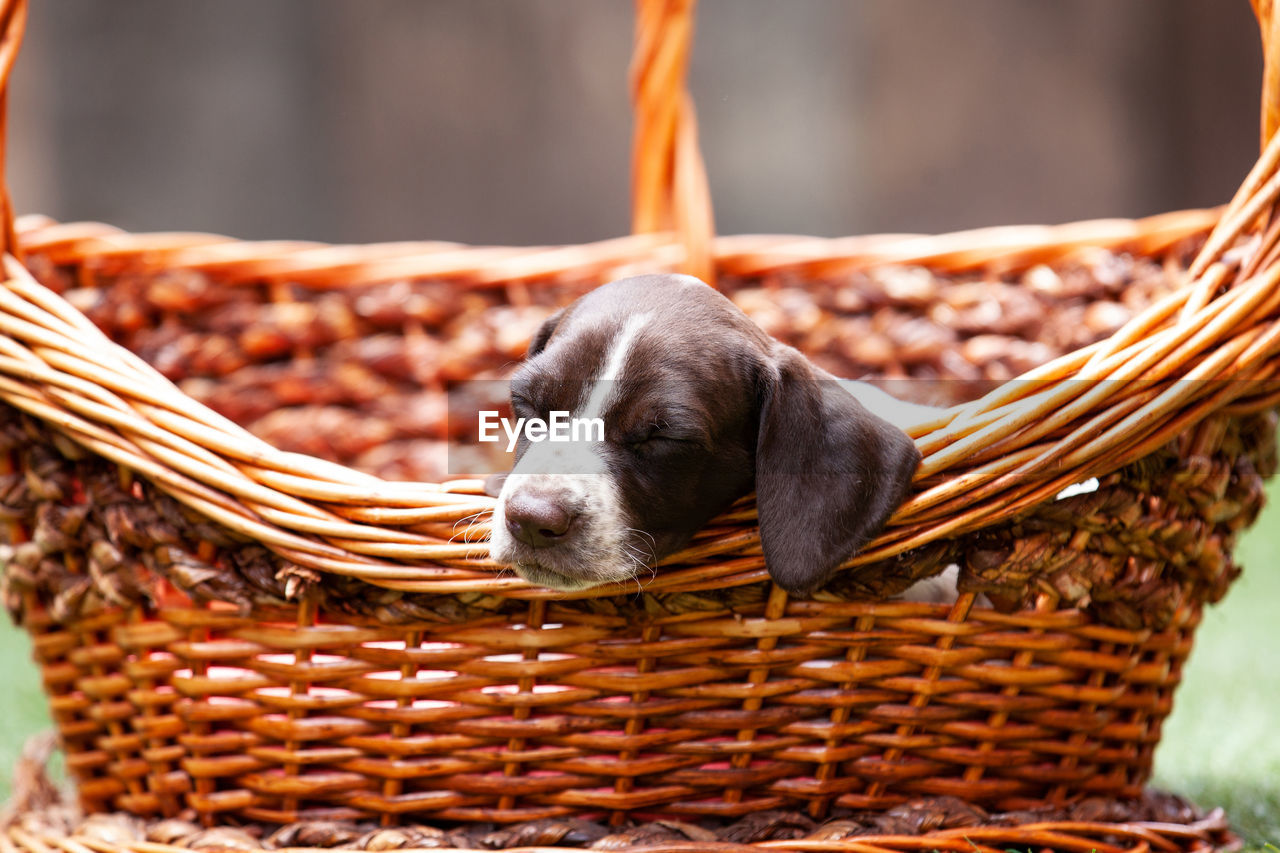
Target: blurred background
499, 122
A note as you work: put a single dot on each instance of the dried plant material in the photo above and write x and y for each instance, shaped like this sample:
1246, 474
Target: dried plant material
657, 832
928, 814
31, 790
222, 838
281, 365
192, 525
120, 580
393, 305
138, 524
771, 825
116, 829
317, 833
551, 832
171, 831
838, 830
57, 525
184, 292
46, 476
74, 593
399, 838
1153, 813
27, 555
298, 581
1100, 809
199, 579
14, 495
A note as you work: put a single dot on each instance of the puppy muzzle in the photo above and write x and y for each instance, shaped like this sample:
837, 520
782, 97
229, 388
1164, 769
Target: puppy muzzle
562, 531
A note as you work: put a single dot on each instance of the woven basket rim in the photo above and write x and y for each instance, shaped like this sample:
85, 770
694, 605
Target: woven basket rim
63, 369
297, 500
1219, 325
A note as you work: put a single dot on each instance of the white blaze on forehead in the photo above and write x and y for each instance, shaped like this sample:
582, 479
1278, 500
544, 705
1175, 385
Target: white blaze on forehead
572, 459
618, 351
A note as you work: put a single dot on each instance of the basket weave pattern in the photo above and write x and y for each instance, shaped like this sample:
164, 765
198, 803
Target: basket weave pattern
271, 631
282, 694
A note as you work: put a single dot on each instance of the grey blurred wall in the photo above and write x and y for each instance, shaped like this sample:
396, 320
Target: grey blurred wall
508, 122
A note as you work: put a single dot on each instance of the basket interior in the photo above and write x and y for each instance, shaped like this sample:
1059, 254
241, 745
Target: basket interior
388, 377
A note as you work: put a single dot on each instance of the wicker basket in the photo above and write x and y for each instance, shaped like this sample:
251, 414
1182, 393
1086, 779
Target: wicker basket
243, 630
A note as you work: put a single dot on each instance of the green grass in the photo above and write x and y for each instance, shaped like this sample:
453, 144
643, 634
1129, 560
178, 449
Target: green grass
1219, 746
23, 709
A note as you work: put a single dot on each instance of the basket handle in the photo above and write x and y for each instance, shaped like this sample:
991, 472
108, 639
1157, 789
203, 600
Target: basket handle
668, 177
1269, 24
13, 23
669, 180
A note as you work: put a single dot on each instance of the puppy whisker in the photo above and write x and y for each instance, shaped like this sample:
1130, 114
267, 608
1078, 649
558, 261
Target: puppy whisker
637, 559
644, 535
469, 518
466, 531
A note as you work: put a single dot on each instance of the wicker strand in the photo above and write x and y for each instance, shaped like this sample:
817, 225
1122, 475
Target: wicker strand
1269, 25
13, 21
669, 179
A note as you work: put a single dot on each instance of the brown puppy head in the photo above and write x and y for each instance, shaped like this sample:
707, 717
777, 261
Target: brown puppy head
699, 406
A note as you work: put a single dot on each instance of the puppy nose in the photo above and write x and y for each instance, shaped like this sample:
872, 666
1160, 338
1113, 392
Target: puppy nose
537, 520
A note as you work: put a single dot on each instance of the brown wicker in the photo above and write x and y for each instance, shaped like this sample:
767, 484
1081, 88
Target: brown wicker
266, 631
38, 819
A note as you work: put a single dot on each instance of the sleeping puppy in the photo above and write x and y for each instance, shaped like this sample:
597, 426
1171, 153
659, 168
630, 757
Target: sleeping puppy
699, 407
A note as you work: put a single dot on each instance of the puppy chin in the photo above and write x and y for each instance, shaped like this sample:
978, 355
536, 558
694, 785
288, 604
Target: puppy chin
567, 570
534, 568
551, 579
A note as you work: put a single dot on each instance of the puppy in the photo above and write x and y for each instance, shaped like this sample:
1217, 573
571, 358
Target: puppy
699, 407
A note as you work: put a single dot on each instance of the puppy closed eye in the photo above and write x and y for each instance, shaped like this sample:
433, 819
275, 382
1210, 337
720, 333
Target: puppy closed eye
522, 408
657, 438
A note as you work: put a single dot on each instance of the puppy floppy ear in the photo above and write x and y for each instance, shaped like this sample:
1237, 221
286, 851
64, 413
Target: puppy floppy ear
544, 333
829, 473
